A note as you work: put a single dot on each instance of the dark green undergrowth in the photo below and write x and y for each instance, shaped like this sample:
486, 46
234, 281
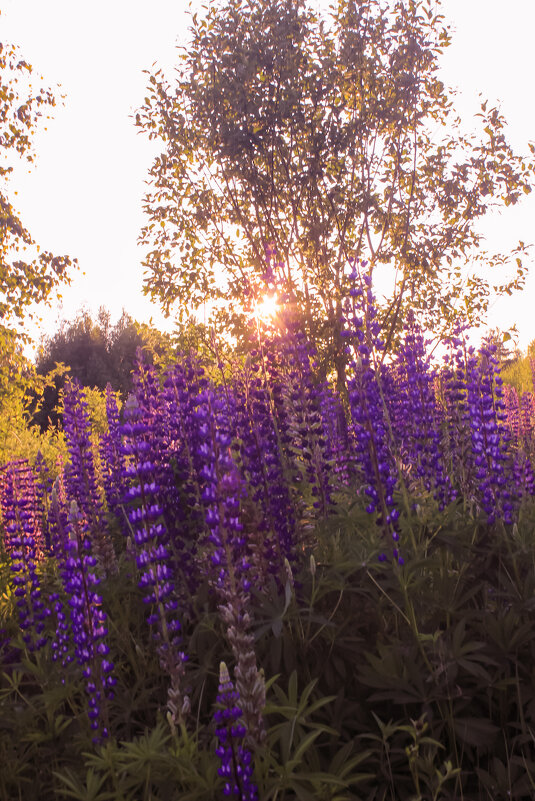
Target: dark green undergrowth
384, 682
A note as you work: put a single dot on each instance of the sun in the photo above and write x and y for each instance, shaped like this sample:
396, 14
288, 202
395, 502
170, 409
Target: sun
267, 307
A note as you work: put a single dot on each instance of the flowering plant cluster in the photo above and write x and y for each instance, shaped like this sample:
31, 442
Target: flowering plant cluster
208, 490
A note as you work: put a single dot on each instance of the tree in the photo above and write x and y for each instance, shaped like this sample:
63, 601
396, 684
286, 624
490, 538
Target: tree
22, 282
96, 353
326, 138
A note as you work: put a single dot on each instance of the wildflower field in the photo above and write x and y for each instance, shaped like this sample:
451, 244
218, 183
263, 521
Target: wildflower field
261, 585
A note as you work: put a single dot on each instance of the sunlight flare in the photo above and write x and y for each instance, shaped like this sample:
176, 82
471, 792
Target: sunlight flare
267, 308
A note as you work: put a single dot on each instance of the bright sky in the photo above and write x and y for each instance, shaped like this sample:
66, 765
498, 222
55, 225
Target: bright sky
83, 196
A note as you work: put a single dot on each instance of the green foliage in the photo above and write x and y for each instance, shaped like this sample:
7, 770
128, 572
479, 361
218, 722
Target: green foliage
519, 373
96, 353
21, 440
22, 282
318, 135
18, 385
383, 682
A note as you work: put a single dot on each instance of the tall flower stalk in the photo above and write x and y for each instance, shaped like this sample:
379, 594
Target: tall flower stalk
80, 478
236, 759
368, 410
485, 401
88, 622
145, 514
230, 555
22, 517
272, 539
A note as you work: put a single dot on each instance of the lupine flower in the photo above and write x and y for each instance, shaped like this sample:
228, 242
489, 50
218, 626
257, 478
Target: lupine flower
456, 427
22, 480
111, 458
168, 411
43, 487
527, 416
59, 537
368, 412
81, 481
337, 436
152, 553
182, 496
287, 361
274, 524
517, 415
231, 566
488, 432
513, 417
304, 414
22, 525
88, 622
236, 760
415, 417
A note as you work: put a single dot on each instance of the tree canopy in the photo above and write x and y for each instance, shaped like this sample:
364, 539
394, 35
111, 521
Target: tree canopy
322, 138
96, 353
23, 281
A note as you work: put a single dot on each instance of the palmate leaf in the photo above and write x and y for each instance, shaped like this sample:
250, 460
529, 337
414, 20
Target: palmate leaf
157, 764
300, 776
296, 707
59, 724
88, 790
395, 675
291, 750
145, 755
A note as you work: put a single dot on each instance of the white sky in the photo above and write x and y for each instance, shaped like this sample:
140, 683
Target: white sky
83, 196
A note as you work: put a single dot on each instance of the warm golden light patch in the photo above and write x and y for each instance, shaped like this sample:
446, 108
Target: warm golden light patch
267, 307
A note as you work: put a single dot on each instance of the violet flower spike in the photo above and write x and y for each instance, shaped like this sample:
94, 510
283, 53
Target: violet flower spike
236, 760
145, 514
21, 520
88, 623
81, 479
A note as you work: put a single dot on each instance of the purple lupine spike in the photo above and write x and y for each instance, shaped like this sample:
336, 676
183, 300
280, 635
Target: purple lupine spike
88, 622
368, 412
484, 397
288, 366
152, 405
60, 476
25, 485
112, 459
518, 420
23, 539
275, 524
43, 485
222, 492
456, 443
337, 436
59, 537
80, 479
523, 476
221, 489
412, 405
272, 369
145, 514
304, 416
236, 760
166, 410
513, 416
183, 504
527, 417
